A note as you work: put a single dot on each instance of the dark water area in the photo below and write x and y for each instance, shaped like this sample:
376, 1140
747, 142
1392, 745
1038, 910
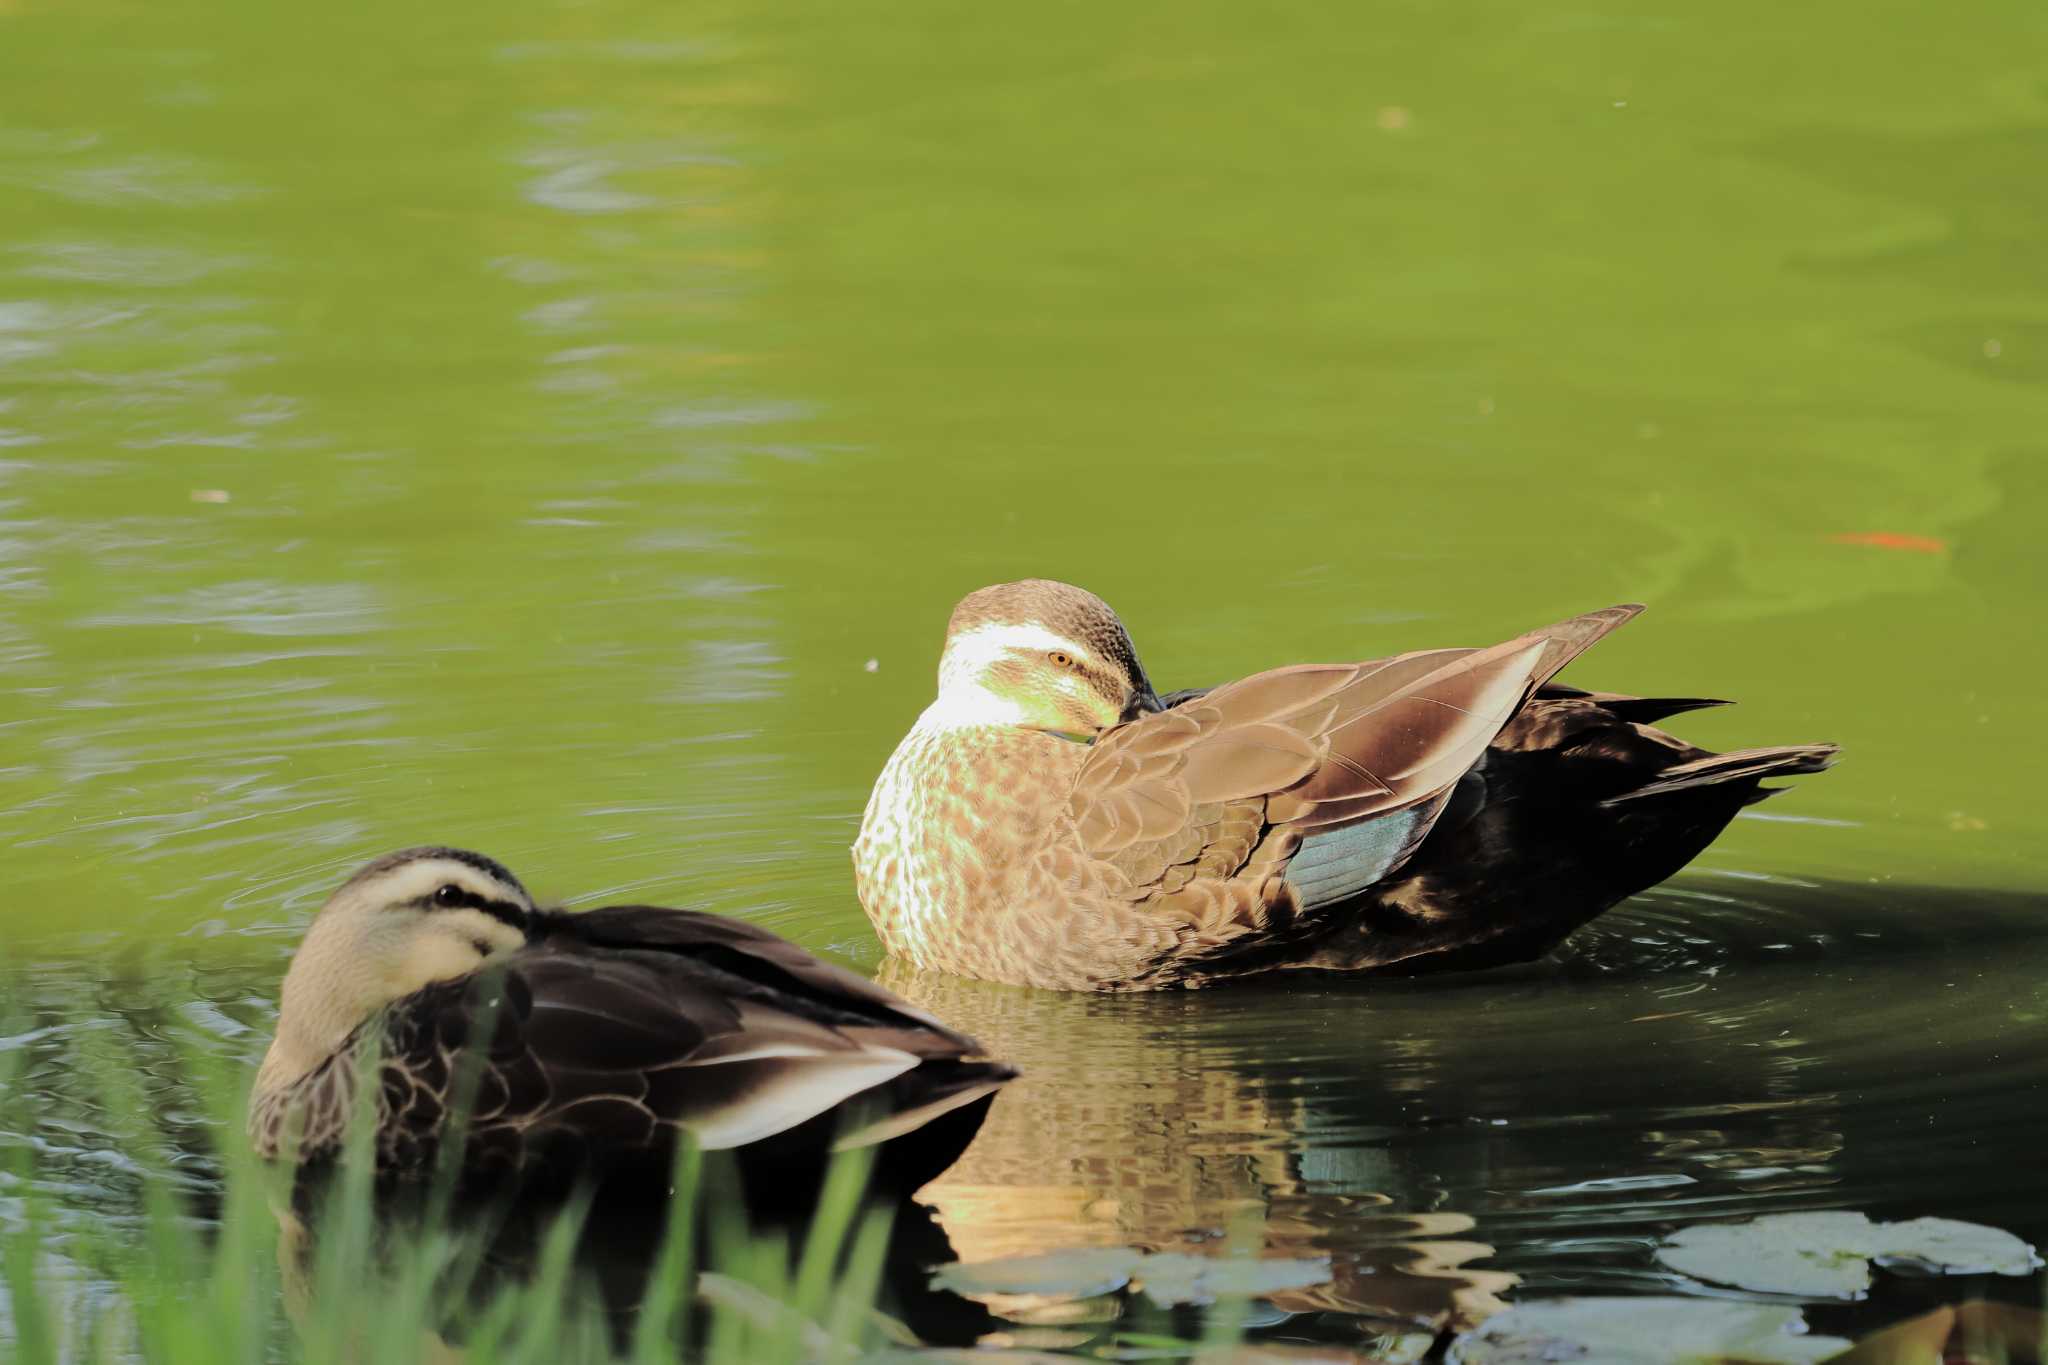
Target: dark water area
561, 430
1448, 1143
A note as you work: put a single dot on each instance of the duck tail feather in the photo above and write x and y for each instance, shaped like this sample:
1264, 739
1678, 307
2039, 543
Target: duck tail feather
1650, 710
1640, 710
1740, 765
971, 1081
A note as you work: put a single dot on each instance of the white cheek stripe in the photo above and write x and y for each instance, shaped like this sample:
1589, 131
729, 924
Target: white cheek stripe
972, 651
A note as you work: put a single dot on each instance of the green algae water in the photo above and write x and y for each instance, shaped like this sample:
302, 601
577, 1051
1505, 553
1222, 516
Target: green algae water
562, 429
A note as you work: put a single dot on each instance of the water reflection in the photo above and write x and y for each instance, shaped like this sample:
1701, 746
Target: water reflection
1126, 1129
1442, 1140
1444, 1143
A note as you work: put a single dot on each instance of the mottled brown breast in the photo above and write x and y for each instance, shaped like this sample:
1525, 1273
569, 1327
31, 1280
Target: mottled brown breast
969, 862
947, 851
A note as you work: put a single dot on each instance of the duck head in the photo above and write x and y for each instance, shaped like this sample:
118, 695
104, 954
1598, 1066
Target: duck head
402, 922
1041, 655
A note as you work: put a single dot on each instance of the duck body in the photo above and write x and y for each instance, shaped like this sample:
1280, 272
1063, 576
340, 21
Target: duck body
595, 1040
949, 826
1447, 808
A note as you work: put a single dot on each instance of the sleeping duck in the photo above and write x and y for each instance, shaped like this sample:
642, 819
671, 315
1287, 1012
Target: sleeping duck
1052, 821
595, 1039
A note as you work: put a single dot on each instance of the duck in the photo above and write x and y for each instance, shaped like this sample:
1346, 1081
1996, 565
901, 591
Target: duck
1051, 820
596, 1039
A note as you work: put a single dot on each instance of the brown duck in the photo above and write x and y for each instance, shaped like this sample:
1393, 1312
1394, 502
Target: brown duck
1052, 821
596, 1038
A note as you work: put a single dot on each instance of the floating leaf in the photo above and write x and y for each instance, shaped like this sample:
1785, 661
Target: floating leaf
1828, 1255
1051, 1312
1643, 1331
1950, 1246
1078, 1274
965, 1355
1168, 1278
1284, 1353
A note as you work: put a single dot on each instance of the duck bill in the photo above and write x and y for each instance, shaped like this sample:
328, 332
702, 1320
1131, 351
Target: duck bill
1143, 702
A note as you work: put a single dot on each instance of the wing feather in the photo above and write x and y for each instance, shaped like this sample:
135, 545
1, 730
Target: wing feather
1318, 746
763, 959
619, 1027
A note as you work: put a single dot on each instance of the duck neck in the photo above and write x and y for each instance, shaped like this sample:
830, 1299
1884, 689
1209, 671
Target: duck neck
316, 1010
967, 706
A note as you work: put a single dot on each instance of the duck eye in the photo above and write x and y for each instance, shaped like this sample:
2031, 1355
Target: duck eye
1061, 658
449, 896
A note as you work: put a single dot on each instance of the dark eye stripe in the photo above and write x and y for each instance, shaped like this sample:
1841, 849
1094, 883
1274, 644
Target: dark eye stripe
505, 912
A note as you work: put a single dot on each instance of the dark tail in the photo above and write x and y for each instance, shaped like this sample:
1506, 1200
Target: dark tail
1640, 710
1740, 765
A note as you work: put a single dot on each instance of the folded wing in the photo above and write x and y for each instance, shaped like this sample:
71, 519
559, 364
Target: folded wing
621, 1027
1315, 749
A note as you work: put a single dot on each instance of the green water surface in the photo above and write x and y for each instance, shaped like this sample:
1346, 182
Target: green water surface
562, 428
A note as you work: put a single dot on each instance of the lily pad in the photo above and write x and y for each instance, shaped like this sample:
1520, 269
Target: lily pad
1168, 1278
1643, 1331
1078, 1274
1828, 1255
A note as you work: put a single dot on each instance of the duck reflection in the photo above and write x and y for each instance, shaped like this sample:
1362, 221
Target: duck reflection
1127, 1128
